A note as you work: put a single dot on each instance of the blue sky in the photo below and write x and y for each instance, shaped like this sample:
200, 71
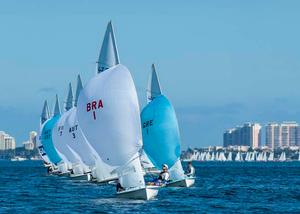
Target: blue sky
221, 63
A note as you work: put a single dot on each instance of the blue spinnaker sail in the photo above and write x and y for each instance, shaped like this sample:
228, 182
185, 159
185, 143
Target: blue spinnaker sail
47, 142
160, 132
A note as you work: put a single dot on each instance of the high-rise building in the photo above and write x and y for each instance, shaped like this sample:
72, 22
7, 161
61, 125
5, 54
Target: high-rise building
31, 143
255, 135
7, 142
228, 137
282, 135
273, 136
247, 135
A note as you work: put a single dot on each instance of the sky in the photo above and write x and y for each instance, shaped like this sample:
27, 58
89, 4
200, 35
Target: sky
221, 63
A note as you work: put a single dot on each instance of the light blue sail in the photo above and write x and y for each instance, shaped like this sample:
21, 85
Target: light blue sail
160, 131
46, 140
46, 136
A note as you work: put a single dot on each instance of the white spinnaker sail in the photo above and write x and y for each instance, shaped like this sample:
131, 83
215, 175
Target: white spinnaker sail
59, 136
109, 116
77, 141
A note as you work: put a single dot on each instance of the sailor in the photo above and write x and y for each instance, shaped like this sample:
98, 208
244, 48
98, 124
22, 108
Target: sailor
119, 187
164, 175
190, 171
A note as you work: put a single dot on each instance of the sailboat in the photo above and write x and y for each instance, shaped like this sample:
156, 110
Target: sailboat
44, 117
161, 133
108, 114
247, 158
222, 156
229, 157
77, 142
271, 156
264, 157
282, 157
61, 137
207, 156
47, 141
260, 156
253, 156
298, 155
238, 157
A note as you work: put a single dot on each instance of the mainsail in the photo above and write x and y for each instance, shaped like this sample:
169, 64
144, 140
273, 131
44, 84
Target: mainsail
69, 100
78, 89
154, 88
108, 56
45, 113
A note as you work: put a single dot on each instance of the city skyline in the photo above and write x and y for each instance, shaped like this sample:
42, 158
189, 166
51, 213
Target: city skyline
273, 135
214, 66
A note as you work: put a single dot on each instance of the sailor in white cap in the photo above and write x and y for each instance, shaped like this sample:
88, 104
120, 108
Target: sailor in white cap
164, 175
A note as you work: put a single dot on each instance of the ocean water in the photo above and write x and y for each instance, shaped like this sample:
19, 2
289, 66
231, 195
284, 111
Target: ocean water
233, 187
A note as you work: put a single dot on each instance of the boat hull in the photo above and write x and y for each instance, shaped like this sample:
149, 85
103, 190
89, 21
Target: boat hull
79, 176
145, 193
187, 182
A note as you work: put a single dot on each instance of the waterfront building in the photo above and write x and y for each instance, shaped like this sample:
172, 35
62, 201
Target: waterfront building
273, 136
7, 142
247, 135
31, 143
286, 134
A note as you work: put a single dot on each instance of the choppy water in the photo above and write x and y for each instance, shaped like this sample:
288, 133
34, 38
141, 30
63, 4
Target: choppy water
220, 188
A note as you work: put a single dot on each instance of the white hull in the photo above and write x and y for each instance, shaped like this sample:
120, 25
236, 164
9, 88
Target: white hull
79, 176
187, 182
105, 181
62, 173
145, 193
